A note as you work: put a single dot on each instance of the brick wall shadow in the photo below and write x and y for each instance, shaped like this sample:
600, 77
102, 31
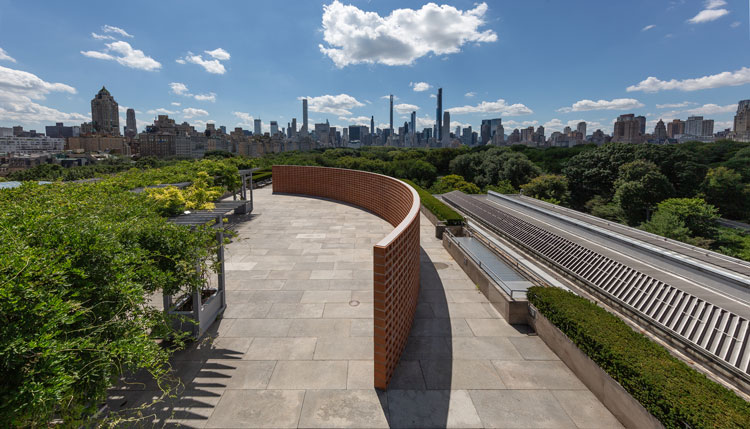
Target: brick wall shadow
419, 393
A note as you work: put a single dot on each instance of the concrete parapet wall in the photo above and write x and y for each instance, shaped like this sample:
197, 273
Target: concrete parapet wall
619, 402
395, 257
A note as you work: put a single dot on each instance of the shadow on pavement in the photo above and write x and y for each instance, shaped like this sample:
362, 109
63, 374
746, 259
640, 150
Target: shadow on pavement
418, 395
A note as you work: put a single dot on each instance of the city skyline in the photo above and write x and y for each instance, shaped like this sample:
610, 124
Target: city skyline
483, 66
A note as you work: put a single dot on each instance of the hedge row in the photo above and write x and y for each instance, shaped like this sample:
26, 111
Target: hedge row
674, 393
259, 176
437, 207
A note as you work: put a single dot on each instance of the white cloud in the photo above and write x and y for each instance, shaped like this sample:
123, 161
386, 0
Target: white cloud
499, 106
615, 104
405, 108
735, 24
712, 109
180, 61
354, 36
22, 110
117, 30
29, 85
182, 89
178, 88
205, 97
98, 55
212, 66
516, 124
470, 94
674, 105
433, 96
339, 105
357, 120
425, 122
648, 27
246, 118
219, 54
201, 123
420, 86
192, 112
17, 90
713, 4
162, 111
558, 125
388, 97
736, 78
710, 13
128, 57
102, 36
722, 125
174, 103
4, 56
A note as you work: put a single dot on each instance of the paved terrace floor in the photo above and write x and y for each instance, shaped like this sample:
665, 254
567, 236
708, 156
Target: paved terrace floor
294, 348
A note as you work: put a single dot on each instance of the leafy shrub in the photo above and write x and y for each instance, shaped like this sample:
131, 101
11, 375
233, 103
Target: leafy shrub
502, 187
199, 195
723, 188
454, 182
693, 213
259, 176
548, 187
677, 395
78, 264
437, 207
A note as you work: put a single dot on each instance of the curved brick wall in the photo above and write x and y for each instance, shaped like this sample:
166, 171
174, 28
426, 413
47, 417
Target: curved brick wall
395, 257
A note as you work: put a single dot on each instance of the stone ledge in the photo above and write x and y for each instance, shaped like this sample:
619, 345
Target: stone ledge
619, 402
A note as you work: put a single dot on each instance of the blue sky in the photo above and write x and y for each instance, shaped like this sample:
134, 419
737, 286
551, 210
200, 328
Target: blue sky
531, 62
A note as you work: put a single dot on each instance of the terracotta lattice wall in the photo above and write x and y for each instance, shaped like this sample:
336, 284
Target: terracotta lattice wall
395, 257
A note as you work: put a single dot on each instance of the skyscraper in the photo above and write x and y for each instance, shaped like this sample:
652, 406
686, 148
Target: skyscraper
256, 127
675, 128
439, 115
304, 117
105, 117
742, 120
446, 131
627, 129
694, 126
413, 124
294, 128
581, 128
274, 128
660, 131
391, 127
130, 128
641, 124
485, 132
372, 124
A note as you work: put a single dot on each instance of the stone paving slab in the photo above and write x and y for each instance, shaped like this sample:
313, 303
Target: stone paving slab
295, 346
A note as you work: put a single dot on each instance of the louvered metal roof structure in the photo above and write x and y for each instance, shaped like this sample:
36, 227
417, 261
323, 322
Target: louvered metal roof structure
715, 332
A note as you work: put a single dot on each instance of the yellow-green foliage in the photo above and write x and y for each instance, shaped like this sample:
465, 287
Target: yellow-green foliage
171, 200
200, 194
168, 200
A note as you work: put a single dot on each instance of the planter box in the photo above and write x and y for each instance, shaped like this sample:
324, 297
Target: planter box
440, 226
514, 311
197, 321
619, 402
